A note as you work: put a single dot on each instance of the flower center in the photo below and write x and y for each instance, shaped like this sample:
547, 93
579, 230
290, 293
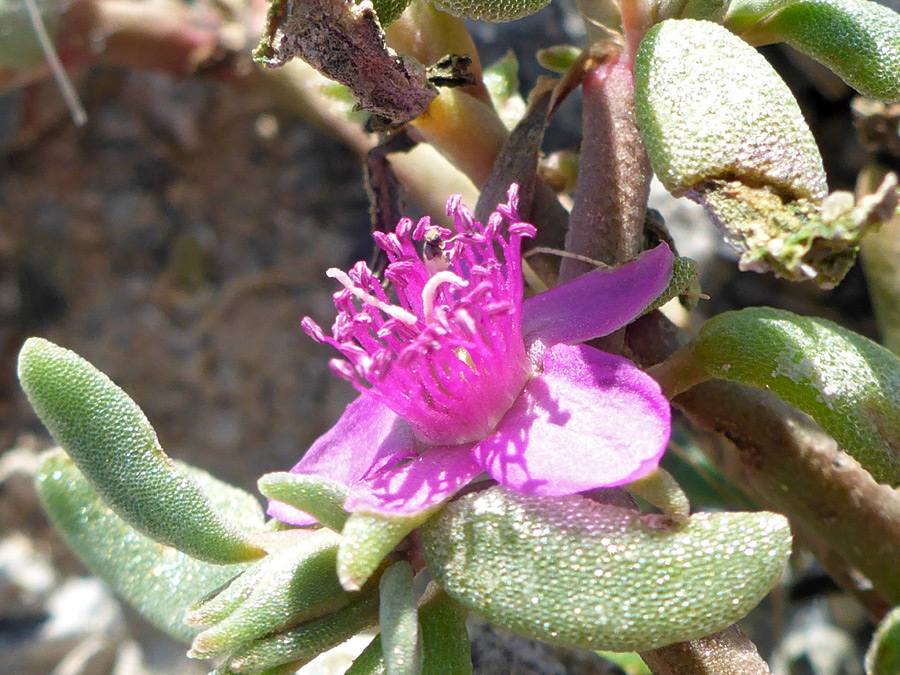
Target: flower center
447, 353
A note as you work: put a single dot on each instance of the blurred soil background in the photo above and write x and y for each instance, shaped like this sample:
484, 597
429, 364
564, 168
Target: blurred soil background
175, 242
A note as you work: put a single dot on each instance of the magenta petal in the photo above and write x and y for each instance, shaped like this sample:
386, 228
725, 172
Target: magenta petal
416, 485
589, 420
597, 303
366, 435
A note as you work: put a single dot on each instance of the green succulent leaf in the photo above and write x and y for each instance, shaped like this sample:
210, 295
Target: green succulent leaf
709, 107
685, 273
883, 656
366, 539
743, 14
445, 640
108, 436
319, 497
370, 662
501, 79
302, 644
723, 129
859, 40
707, 10
578, 573
847, 383
558, 58
297, 583
389, 11
160, 582
495, 11
221, 602
401, 641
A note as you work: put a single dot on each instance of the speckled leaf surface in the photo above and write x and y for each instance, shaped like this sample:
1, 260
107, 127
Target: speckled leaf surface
859, 40
365, 541
296, 583
496, 11
445, 640
160, 582
318, 496
389, 11
110, 439
883, 656
398, 621
847, 383
577, 573
709, 106
302, 644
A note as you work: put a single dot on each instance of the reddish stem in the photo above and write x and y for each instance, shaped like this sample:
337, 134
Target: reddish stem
607, 219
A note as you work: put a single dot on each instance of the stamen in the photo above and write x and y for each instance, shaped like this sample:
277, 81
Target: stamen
391, 310
433, 252
431, 286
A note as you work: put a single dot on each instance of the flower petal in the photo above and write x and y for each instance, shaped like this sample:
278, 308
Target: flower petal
414, 486
589, 420
599, 302
366, 435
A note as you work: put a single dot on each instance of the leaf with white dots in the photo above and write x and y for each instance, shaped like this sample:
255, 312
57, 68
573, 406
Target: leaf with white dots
160, 582
578, 573
859, 40
116, 449
847, 383
495, 11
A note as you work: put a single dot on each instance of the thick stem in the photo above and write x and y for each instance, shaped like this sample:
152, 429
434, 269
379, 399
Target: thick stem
636, 21
728, 652
607, 219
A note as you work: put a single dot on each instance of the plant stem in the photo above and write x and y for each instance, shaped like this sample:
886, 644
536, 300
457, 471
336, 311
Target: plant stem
728, 652
607, 220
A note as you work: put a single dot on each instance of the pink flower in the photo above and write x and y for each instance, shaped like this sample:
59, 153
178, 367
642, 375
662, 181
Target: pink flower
460, 376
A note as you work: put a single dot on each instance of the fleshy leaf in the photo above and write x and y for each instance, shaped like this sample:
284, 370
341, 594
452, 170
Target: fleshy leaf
365, 541
302, 644
709, 106
685, 273
316, 495
297, 583
389, 11
160, 582
883, 656
859, 40
107, 435
847, 383
515, 560
743, 14
502, 81
495, 11
444, 636
399, 621
221, 602
558, 58
723, 129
